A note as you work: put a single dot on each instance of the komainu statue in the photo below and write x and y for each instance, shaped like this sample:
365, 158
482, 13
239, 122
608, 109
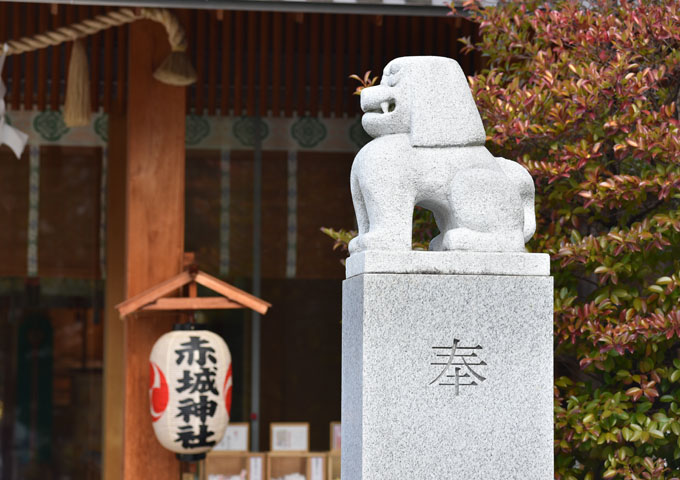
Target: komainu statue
428, 150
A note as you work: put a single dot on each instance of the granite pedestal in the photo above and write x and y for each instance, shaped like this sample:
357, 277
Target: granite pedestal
448, 374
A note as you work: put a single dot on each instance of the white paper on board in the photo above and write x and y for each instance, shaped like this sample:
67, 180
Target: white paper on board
256, 468
235, 439
290, 438
317, 468
337, 436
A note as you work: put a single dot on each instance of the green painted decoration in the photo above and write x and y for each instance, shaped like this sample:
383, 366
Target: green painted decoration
50, 125
308, 131
197, 128
245, 128
101, 127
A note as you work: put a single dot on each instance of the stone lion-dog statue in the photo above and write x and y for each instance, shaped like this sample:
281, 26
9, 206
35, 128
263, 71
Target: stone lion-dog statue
428, 150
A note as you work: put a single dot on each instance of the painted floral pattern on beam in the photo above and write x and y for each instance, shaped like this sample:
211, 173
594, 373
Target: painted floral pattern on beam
50, 125
308, 131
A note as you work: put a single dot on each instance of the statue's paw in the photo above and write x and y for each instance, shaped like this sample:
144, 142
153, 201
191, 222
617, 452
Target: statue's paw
436, 243
466, 239
379, 241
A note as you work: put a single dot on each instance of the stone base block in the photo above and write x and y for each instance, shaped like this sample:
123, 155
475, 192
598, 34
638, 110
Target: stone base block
447, 377
448, 263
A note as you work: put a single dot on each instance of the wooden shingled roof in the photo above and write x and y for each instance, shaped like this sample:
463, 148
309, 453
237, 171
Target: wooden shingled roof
155, 298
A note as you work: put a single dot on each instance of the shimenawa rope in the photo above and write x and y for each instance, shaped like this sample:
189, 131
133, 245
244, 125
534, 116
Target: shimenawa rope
175, 70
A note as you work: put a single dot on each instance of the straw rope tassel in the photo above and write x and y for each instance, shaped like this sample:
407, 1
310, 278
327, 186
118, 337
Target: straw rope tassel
175, 70
77, 109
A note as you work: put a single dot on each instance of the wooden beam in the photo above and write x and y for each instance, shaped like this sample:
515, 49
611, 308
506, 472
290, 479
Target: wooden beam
365, 45
108, 69
95, 65
43, 22
29, 74
265, 61
122, 35
55, 70
19, 31
199, 36
226, 63
327, 57
251, 61
340, 72
377, 46
301, 65
232, 293
212, 63
289, 64
154, 293
429, 30
238, 63
3, 25
416, 36
353, 67
314, 63
390, 38
188, 303
277, 49
112, 429
154, 233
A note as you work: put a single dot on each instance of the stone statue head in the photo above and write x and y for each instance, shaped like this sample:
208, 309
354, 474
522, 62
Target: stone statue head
428, 98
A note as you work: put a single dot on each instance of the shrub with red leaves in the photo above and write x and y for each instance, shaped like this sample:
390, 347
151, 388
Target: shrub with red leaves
585, 99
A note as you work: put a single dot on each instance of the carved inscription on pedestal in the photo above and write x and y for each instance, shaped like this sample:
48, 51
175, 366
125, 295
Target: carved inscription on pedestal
457, 364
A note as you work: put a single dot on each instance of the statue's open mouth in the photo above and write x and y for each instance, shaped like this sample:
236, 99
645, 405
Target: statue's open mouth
378, 99
384, 107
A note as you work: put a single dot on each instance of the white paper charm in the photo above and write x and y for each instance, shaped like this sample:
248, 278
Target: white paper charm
10, 136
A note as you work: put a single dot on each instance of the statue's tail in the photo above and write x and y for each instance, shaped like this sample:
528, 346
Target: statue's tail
525, 184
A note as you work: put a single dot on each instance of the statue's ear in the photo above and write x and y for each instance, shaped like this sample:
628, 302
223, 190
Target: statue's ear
443, 112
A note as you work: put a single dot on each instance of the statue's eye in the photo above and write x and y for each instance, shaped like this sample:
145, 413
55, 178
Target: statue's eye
395, 68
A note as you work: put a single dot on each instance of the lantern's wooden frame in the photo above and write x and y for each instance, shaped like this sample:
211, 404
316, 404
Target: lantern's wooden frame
156, 298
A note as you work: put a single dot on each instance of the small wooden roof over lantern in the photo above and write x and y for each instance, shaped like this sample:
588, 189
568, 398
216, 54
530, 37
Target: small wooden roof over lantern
155, 298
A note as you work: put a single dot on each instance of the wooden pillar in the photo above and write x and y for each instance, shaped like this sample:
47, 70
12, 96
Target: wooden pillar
154, 234
112, 431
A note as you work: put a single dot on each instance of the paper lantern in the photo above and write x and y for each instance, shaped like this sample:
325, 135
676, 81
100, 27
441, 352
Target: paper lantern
190, 385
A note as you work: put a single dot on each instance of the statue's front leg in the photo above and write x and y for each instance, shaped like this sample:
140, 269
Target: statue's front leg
383, 193
359, 210
390, 216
